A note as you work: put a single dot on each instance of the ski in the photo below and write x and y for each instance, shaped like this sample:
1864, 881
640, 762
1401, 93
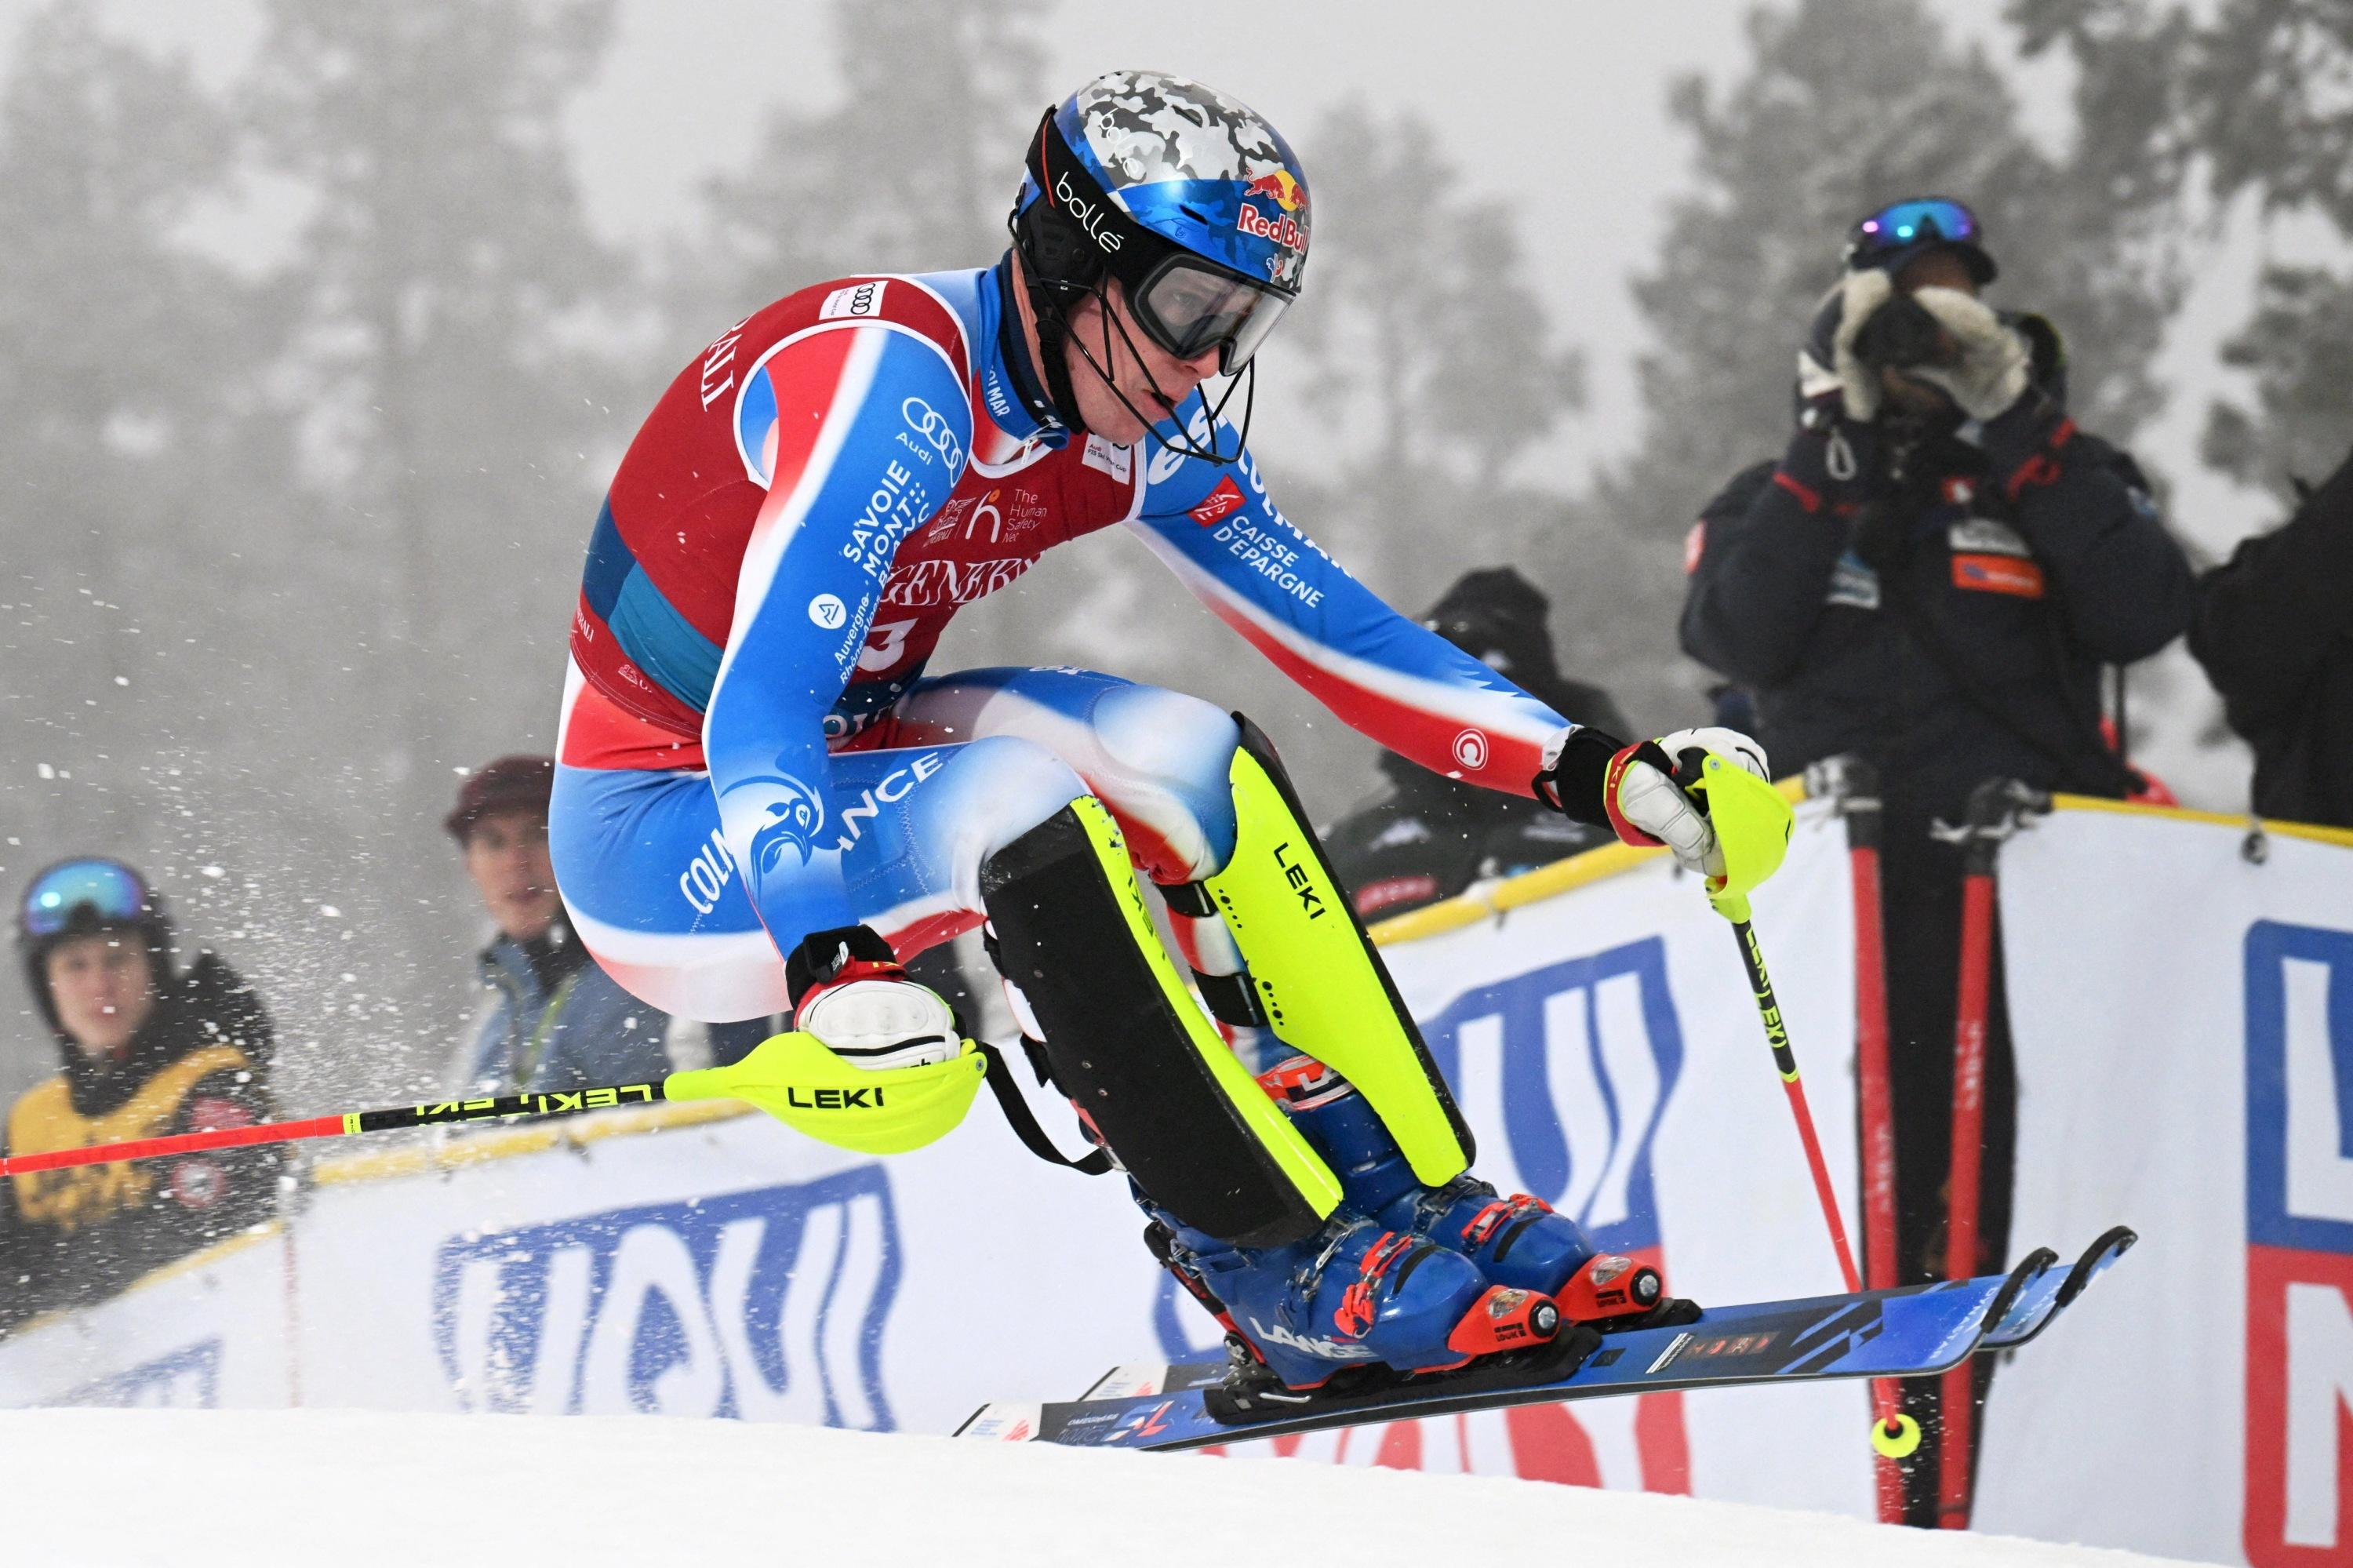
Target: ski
2044, 1296
2051, 1292
1917, 1331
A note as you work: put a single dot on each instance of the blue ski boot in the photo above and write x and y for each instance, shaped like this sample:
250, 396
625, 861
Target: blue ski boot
1353, 1295
1517, 1241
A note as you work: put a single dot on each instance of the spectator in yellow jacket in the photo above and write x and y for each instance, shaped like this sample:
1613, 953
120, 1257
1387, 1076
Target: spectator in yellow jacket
143, 1050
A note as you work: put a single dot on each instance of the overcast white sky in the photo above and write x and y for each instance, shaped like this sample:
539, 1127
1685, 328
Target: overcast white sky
1558, 107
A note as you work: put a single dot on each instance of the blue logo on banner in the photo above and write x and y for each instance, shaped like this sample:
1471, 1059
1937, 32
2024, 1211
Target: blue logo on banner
2299, 982
766, 1305
2299, 1317
186, 1379
1563, 1073
1576, 1062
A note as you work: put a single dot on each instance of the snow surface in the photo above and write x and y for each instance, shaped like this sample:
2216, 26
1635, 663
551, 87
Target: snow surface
94, 1488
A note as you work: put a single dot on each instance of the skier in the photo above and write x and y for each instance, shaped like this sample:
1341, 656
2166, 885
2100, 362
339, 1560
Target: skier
753, 763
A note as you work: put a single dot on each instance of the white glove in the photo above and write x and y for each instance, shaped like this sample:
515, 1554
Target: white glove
1860, 296
876, 1022
1991, 373
1654, 804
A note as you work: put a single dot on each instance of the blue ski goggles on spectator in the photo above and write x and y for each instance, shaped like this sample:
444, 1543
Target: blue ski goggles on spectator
109, 890
1893, 235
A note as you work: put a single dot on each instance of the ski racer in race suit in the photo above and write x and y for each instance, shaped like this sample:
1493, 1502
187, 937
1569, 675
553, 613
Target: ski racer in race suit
764, 799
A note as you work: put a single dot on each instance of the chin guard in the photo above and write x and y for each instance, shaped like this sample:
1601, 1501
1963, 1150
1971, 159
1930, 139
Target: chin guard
797, 1080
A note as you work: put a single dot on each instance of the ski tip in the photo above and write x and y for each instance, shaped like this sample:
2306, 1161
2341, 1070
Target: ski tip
1004, 1422
2113, 1243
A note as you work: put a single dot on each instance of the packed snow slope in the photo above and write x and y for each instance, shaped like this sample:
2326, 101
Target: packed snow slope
193, 1488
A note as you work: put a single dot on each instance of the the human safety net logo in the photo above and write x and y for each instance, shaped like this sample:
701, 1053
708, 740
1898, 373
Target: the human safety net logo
765, 1305
2299, 1403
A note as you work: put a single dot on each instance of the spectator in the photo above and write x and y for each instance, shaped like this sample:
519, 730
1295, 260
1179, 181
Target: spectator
144, 1052
1429, 837
1934, 576
554, 1021
2276, 632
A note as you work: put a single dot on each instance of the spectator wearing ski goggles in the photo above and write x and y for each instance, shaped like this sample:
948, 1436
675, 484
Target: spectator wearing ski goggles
1933, 577
144, 1049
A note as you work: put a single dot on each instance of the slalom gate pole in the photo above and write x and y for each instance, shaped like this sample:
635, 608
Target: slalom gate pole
1892, 1434
1990, 818
534, 1108
1852, 786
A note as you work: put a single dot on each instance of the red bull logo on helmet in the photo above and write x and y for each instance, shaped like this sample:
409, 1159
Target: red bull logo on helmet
1287, 196
1278, 187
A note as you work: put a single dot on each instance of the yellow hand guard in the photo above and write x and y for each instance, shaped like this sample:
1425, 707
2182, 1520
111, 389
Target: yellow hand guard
797, 1080
1753, 821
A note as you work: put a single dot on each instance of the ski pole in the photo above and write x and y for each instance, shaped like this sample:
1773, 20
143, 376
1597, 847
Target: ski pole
1893, 1432
793, 1076
536, 1108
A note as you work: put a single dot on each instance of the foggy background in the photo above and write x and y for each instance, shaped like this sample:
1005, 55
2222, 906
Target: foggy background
323, 324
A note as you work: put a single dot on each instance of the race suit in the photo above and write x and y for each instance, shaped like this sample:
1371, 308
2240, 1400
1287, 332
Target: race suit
750, 750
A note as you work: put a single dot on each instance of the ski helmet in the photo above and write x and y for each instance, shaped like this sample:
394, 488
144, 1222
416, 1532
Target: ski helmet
88, 896
1190, 201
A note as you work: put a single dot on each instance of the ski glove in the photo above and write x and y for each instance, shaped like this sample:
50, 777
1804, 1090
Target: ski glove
1854, 384
1637, 790
849, 992
1991, 371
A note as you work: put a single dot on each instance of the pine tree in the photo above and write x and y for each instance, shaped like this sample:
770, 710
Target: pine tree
455, 433
913, 172
2250, 95
136, 446
1848, 105
2265, 106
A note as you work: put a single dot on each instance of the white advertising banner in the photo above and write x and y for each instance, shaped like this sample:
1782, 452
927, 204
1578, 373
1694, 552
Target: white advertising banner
207, 1333
1602, 1041
2183, 1014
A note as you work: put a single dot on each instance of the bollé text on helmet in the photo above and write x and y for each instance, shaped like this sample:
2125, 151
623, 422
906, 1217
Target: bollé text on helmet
1089, 214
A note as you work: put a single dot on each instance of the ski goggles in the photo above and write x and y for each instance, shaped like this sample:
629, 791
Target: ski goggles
1189, 307
1907, 224
109, 889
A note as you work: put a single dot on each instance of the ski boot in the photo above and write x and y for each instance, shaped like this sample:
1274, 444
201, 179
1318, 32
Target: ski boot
1355, 1298
1519, 1241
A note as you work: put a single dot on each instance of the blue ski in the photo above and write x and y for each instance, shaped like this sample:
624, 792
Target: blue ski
2051, 1292
1917, 1331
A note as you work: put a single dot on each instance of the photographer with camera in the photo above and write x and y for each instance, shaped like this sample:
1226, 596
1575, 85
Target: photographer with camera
1933, 577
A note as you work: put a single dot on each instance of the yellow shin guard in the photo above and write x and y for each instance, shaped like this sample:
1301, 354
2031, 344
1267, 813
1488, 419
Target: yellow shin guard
1131, 1047
1318, 976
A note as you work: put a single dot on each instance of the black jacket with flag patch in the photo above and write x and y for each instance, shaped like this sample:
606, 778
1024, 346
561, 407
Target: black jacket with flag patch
1942, 606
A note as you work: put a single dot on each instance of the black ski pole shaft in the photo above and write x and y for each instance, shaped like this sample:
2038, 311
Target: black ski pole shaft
343, 1124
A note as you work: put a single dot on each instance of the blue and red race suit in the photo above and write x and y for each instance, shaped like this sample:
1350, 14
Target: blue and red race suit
792, 529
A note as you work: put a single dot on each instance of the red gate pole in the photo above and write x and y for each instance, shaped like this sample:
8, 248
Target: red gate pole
1992, 817
1853, 785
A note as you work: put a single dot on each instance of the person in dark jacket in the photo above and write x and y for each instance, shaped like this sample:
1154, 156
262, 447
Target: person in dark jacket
1934, 576
144, 1050
2276, 633
1426, 837
554, 1021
